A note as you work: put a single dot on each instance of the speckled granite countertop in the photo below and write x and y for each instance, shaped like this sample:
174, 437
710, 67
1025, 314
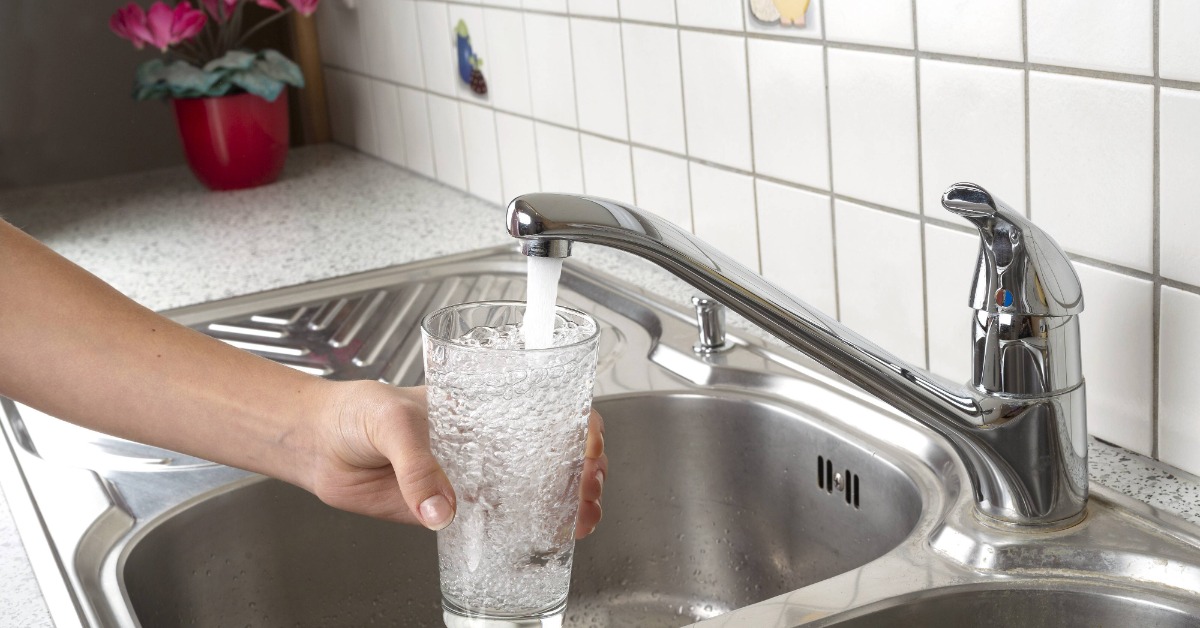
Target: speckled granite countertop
163, 240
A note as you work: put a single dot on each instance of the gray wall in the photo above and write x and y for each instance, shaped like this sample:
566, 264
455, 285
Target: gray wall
65, 109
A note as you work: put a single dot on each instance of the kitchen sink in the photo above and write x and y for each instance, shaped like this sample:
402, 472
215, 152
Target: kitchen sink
1051, 603
747, 487
699, 519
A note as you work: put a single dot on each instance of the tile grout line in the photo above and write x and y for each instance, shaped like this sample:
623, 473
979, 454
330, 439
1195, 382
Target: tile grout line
575, 97
687, 147
625, 100
837, 286
921, 187
1025, 79
753, 163
1156, 244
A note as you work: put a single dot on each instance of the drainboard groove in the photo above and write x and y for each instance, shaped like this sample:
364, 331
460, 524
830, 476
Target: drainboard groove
353, 324
404, 311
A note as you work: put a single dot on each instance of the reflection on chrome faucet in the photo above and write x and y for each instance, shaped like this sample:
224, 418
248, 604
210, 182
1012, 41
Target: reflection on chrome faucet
1019, 426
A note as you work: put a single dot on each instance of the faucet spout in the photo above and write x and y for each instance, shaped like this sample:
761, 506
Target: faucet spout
1026, 455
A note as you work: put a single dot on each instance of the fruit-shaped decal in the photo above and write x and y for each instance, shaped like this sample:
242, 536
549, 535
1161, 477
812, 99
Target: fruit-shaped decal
468, 62
786, 12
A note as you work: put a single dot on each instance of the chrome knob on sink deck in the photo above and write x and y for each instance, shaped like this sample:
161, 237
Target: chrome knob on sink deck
1020, 427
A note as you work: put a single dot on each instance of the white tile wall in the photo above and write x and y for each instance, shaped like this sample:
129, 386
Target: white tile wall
1118, 356
446, 131
715, 98
662, 11
418, 139
662, 185
607, 168
560, 165
1178, 24
1179, 156
975, 28
1110, 35
840, 135
720, 14
481, 152
655, 90
519, 161
873, 127
1178, 394
723, 206
385, 104
972, 129
600, 87
795, 233
551, 79
507, 67
787, 107
949, 268
877, 22
879, 278
1091, 157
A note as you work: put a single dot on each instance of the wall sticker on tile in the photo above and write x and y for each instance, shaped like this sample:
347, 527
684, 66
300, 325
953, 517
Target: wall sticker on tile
785, 12
469, 63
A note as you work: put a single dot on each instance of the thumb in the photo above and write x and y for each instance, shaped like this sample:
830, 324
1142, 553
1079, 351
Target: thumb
423, 484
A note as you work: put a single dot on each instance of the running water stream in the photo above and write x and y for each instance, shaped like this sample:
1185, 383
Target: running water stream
541, 293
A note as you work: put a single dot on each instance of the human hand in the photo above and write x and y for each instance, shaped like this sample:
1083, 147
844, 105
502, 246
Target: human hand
373, 457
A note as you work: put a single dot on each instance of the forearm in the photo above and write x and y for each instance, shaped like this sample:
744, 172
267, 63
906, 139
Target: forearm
72, 346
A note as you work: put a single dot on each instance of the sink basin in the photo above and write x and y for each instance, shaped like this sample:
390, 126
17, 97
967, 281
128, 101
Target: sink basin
1061, 604
708, 508
747, 488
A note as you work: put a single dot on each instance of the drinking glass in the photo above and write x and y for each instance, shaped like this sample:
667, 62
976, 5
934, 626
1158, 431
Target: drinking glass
508, 425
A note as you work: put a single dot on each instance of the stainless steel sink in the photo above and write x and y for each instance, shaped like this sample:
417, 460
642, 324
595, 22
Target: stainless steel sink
1049, 603
747, 488
693, 528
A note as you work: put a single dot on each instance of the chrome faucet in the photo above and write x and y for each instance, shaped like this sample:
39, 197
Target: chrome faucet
1019, 425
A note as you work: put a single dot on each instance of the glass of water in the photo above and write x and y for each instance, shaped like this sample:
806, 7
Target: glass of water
508, 425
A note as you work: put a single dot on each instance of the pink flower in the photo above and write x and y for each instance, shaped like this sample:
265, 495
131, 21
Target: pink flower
170, 26
269, 4
129, 22
304, 7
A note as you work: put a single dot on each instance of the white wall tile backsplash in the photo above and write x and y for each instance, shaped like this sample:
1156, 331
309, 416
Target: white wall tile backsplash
983, 142
974, 28
873, 127
1110, 35
607, 168
1091, 156
949, 268
560, 165
661, 185
507, 67
1178, 24
876, 22
654, 90
791, 136
1179, 156
600, 89
551, 79
795, 235
879, 278
724, 215
1118, 356
519, 159
1178, 394
715, 98
782, 145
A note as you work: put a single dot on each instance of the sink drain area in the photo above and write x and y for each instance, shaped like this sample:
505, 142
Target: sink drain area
842, 480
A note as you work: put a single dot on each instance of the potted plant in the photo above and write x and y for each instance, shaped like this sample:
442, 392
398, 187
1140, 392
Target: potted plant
230, 103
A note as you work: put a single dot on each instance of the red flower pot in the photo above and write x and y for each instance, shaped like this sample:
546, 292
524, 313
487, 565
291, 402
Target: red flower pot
233, 142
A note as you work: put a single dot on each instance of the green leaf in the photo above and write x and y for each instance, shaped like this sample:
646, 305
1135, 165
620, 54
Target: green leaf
178, 79
232, 60
278, 67
257, 83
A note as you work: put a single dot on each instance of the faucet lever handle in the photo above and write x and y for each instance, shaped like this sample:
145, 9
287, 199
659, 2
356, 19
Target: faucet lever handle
1021, 269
